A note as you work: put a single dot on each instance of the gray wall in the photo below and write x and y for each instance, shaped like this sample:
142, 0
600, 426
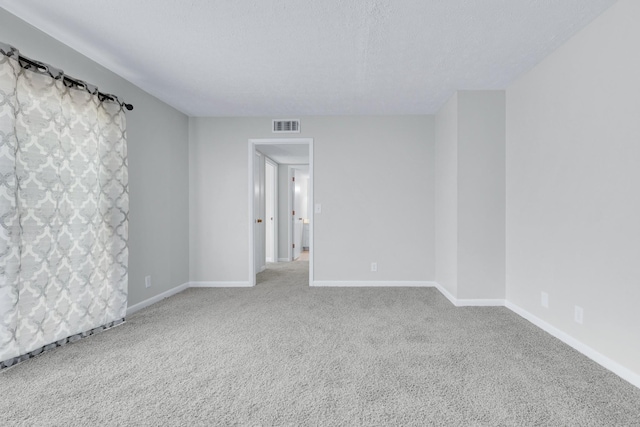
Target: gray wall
446, 195
158, 163
373, 177
470, 195
573, 203
481, 194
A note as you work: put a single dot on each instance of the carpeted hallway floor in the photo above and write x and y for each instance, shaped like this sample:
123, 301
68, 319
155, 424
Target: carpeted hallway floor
286, 354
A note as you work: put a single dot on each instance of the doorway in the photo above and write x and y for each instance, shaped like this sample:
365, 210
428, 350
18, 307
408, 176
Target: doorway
301, 208
271, 209
274, 222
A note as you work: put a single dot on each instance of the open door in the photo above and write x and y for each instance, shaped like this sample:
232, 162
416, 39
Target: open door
299, 214
270, 219
259, 228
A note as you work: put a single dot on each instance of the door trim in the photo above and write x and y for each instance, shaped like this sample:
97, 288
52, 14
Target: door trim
253, 142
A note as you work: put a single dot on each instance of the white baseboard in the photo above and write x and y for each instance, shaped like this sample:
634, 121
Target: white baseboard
359, 283
283, 260
458, 302
219, 284
146, 303
480, 303
592, 354
446, 294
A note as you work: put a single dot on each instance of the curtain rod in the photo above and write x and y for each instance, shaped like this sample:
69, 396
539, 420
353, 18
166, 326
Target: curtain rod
55, 73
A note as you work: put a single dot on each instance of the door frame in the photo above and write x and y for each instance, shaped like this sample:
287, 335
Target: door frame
253, 142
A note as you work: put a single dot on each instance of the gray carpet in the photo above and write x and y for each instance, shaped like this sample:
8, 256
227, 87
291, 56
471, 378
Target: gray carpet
286, 354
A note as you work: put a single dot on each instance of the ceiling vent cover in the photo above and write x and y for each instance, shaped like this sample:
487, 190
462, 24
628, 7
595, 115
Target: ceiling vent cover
286, 126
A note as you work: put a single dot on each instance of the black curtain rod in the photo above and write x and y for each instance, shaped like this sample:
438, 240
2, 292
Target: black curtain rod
68, 81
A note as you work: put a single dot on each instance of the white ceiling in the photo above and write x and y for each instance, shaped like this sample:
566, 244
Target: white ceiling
325, 57
290, 154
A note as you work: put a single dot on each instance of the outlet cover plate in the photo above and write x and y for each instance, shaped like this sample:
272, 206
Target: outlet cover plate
544, 300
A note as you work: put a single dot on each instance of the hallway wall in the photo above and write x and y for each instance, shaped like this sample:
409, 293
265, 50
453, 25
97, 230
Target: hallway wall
373, 177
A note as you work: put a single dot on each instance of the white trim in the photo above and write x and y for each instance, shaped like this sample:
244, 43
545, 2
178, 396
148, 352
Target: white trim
447, 294
486, 302
218, 284
371, 283
250, 181
283, 259
470, 302
166, 294
592, 354
280, 141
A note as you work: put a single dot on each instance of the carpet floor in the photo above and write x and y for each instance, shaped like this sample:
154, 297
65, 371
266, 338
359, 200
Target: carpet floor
283, 353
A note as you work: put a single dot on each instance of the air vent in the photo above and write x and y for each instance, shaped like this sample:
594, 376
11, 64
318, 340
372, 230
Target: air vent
286, 126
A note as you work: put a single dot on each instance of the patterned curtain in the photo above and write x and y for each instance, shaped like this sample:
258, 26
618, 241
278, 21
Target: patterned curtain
64, 206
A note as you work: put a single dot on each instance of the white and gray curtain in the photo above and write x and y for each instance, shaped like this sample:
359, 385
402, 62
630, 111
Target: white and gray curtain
64, 206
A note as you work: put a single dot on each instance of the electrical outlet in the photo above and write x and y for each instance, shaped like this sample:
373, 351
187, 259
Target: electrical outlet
374, 266
544, 300
578, 314
147, 281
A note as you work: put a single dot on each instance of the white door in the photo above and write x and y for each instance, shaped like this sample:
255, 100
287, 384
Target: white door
270, 211
299, 209
258, 211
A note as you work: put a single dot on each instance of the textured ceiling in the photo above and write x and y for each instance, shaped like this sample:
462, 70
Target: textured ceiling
326, 57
